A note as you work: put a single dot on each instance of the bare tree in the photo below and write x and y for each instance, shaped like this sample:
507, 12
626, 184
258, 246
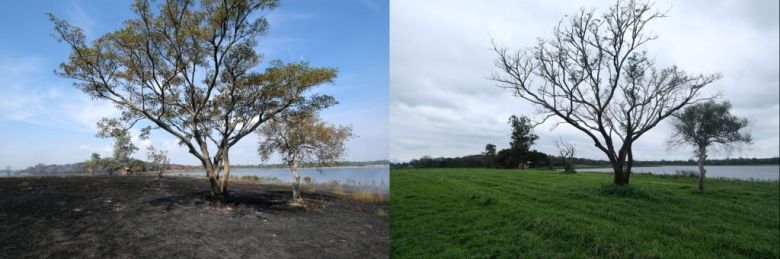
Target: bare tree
159, 160
705, 125
188, 68
8, 170
301, 138
595, 75
566, 153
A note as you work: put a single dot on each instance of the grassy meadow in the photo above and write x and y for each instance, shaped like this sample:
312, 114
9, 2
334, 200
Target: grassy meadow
495, 213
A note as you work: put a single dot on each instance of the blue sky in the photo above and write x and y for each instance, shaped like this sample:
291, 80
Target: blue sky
44, 119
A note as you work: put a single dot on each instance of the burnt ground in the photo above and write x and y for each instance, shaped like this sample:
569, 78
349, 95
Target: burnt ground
140, 216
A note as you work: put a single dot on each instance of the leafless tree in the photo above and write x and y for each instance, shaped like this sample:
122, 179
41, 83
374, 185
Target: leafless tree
595, 75
566, 151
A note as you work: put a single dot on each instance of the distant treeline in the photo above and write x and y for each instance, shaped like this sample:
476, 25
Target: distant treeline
475, 161
336, 164
504, 159
104, 166
107, 165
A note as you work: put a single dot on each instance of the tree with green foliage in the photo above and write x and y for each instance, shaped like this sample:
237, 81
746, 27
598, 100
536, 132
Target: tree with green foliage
523, 136
189, 69
595, 74
302, 137
490, 155
159, 160
706, 125
123, 145
92, 164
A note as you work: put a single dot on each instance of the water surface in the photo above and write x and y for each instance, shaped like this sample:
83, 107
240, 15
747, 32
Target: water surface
369, 177
744, 172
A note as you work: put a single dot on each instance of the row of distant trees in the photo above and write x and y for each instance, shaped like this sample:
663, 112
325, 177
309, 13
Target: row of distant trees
478, 160
517, 155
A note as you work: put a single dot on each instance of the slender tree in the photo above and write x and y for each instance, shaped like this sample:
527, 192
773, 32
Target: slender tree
490, 155
92, 164
302, 137
159, 160
706, 125
189, 69
595, 75
566, 152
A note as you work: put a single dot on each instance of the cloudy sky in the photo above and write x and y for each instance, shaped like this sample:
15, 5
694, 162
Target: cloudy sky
44, 119
441, 103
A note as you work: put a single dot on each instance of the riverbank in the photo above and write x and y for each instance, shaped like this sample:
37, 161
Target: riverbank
141, 216
493, 213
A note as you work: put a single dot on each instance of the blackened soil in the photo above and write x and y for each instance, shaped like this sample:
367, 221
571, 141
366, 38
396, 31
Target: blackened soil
138, 216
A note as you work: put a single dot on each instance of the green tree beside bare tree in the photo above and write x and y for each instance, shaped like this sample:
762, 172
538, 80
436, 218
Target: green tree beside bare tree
301, 137
706, 125
188, 69
596, 75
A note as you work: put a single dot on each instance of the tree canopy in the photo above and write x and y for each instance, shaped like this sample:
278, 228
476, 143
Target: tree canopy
190, 69
596, 75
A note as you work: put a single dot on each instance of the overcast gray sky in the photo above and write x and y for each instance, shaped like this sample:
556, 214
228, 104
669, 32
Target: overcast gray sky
441, 103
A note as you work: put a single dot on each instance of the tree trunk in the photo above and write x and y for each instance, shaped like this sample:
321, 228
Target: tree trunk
629, 164
296, 193
702, 171
226, 175
160, 173
620, 177
214, 189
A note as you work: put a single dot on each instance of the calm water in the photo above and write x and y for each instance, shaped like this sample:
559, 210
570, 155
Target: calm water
757, 172
375, 178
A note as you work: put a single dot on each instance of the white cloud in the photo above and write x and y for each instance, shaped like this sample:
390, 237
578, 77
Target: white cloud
441, 103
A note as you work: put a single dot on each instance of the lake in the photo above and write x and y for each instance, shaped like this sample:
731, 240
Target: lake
744, 172
368, 178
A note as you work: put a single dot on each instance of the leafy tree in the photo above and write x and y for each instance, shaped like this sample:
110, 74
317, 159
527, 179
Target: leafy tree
189, 69
92, 164
490, 155
300, 138
523, 136
596, 75
705, 125
159, 160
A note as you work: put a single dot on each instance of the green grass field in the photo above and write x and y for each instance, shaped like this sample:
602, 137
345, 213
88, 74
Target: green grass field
493, 213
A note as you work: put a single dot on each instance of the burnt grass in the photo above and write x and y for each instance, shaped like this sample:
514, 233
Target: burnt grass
141, 216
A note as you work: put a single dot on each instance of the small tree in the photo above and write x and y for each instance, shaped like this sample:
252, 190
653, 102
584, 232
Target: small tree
123, 146
566, 152
301, 137
159, 160
595, 75
92, 164
705, 125
490, 155
8, 170
523, 136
